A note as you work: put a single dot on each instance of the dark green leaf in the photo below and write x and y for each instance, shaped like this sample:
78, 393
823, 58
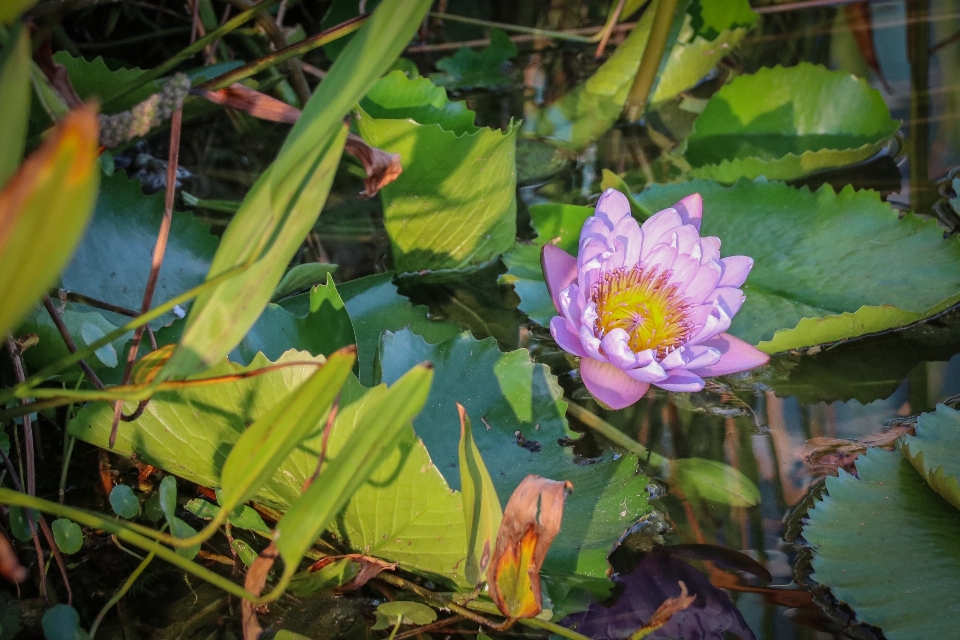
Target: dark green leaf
181, 529
113, 260
62, 622
68, 535
325, 328
93, 80
506, 393
301, 277
454, 206
123, 501
784, 123
242, 518
168, 496
487, 69
19, 525
886, 545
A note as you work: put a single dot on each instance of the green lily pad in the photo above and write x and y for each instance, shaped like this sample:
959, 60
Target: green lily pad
405, 513
784, 123
301, 277
815, 279
113, 260
934, 451
124, 502
886, 544
454, 206
68, 535
93, 80
505, 393
483, 69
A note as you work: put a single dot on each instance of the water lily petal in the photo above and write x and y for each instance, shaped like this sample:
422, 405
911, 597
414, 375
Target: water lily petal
700, 355
616, 346
735, 270
610, 385
682, 381
590, 249
710, 246
656, 226
730, 299
566, 337
628, 233
652, 372
645, 357
661, 259
612, 206
572, 304
717, 322
559, 270
735, 355
591, 343
684, 268
703, 283
687, 241
691, 210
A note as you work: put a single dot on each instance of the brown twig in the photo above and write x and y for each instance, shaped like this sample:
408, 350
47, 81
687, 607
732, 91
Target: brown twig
608, 28
433, 626
158, 252
68, 340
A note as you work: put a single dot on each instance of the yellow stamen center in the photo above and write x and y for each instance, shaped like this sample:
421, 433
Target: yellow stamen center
642, 303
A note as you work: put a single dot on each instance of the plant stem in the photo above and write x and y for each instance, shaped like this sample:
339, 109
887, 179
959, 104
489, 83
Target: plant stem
650, 62
186, 53
68, 340
122, 591
535, 623
294, 50
543, 33
614, 435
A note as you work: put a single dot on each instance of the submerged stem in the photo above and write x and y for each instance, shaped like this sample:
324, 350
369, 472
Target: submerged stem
650, 62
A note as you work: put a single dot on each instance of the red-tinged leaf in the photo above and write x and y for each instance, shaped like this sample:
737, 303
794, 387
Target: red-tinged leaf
530, 523
367, 568
44, 209
258, 105
860, 21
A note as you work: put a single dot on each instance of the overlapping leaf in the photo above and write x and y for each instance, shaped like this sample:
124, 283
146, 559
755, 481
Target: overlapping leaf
404, 513
886, 545
784, 123
935, 451
112, 262
823, 270
505, 393
454, 206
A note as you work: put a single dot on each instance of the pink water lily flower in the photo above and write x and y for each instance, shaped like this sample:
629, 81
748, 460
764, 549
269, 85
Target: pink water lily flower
647, 305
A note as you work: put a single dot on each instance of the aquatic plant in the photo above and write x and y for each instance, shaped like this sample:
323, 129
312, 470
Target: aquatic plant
647, 305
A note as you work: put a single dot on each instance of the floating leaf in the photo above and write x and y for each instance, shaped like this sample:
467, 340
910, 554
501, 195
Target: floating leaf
68, 535
374, 306
112, 262
933, 451
814, 280
714, 481
301, 277
293, 188
124, 502
784, 123
44, 208
485, 69
19, 525
390, 613
62, 622
406, 512
530, 523
325, 328
481, 507
454, 206
507, 393
886, 545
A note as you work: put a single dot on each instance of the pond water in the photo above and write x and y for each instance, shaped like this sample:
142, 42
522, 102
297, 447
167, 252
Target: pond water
785, 426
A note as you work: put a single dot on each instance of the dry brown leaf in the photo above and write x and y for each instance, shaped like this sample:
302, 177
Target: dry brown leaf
258, 105
824, 456
382, 168
530, 523
369, 568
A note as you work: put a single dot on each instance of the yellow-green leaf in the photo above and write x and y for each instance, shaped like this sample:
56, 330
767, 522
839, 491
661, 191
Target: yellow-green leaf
481, 507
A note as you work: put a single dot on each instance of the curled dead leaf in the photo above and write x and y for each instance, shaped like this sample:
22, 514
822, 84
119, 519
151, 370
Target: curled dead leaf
258, 105
530, 523
824, 456
665, 611
369, 568
382, 168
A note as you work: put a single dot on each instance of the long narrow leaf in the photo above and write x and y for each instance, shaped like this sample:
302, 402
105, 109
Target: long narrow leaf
481, 506
44, 209
283, 205
373, 438
269, 440
14, 101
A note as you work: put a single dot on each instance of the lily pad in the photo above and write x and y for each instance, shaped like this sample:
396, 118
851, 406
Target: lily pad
113, 260
505, 393
405, 513
815, 279
454, 206
886, 544
935, 451
485, 69
786, 122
